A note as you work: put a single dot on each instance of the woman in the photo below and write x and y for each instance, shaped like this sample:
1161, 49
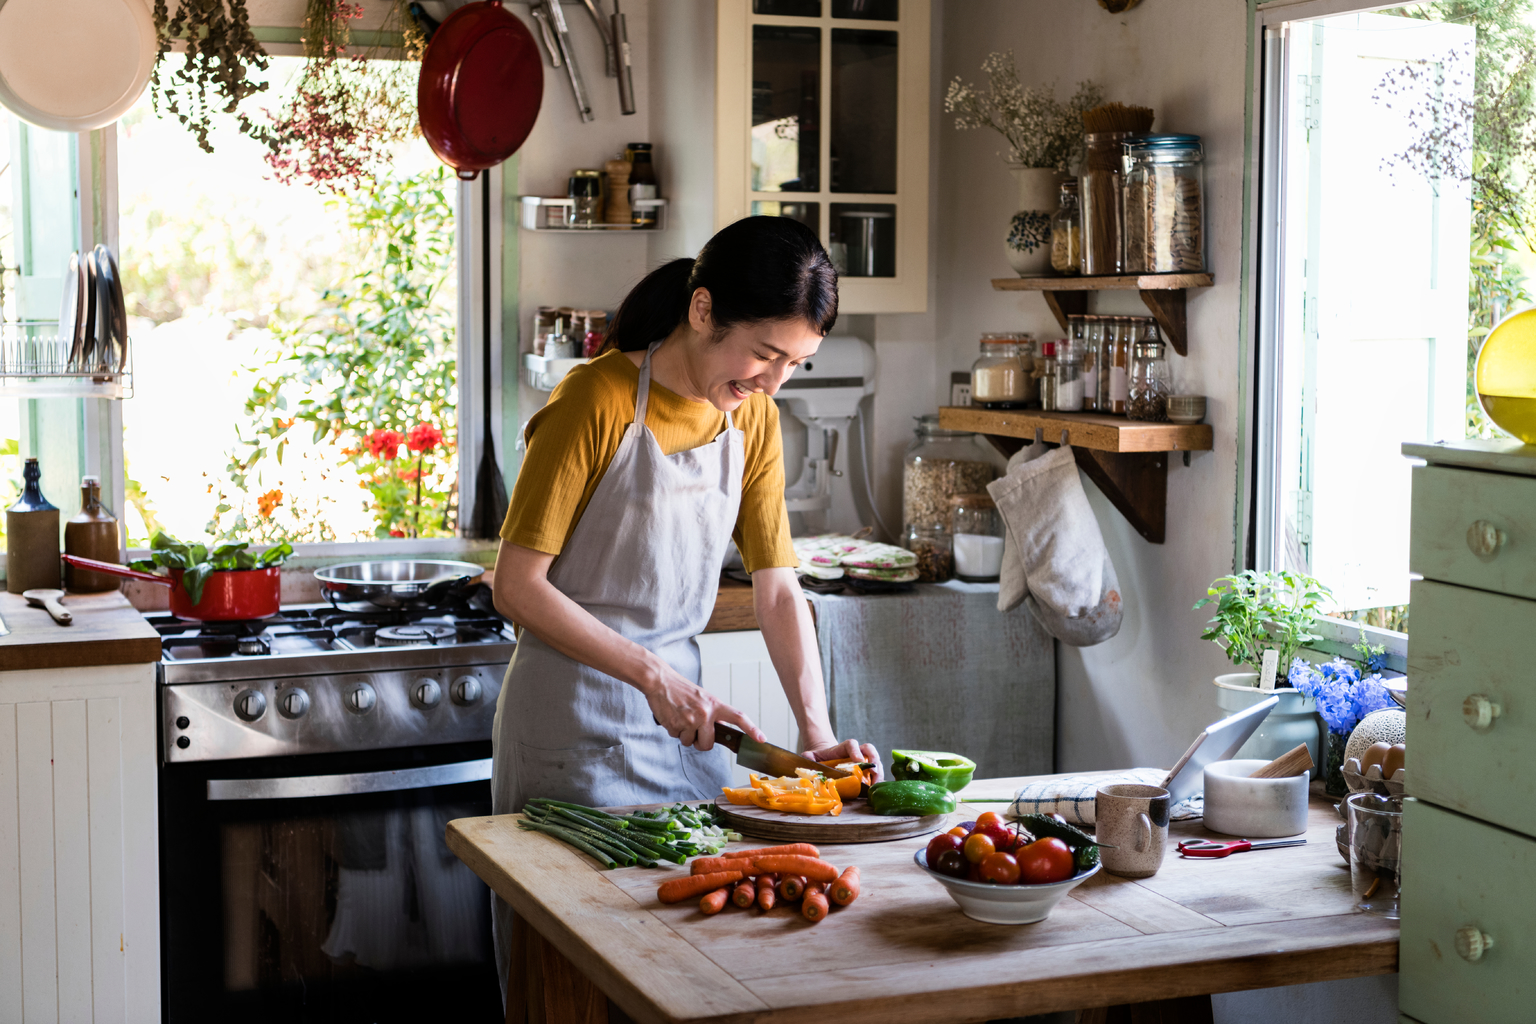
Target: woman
640, 469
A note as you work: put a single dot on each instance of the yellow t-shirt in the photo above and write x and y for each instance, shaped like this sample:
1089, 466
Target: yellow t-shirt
572, 440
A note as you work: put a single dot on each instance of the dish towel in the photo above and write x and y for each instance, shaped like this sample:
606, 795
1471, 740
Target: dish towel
1053, 553
1072, 797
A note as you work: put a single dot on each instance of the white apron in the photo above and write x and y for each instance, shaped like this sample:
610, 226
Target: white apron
644, 560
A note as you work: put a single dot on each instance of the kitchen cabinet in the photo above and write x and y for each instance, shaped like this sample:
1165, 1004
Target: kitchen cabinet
822, 115
1467, 936
79, 892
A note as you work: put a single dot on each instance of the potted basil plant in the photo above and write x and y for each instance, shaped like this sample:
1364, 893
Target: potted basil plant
1256, 612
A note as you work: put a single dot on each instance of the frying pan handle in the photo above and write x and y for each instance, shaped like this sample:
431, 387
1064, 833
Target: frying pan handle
113, 569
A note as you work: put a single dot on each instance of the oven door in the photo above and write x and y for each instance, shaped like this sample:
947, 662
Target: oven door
320, 888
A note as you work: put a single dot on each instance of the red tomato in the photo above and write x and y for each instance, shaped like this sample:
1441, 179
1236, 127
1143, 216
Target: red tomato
978, 846
939, 843
952, 863
1045, 860
1003, 837
1000, 868
988, 818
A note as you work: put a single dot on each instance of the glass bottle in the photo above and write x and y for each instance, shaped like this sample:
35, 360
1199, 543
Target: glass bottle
977, 537
934, 551
1067, 232
642, 184
1126, 332
1093, 333
998, 375
940, 463
1069, 377
1150, 384
1048, 378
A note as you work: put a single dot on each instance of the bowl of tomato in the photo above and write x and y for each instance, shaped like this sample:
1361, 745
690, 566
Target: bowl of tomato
1002, 876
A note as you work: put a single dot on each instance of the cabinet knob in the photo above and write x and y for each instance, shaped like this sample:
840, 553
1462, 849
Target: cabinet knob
1480, 711
1484, 539
1472, 943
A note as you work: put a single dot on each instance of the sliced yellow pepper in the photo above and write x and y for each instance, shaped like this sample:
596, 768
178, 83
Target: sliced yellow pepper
807, 793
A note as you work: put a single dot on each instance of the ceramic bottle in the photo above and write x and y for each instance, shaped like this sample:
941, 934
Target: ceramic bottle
91, 534
31, 537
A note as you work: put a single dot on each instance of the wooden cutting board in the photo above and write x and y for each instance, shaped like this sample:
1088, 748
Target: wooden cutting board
857, 824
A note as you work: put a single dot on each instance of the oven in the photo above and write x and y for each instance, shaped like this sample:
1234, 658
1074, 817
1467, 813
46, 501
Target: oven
303, 798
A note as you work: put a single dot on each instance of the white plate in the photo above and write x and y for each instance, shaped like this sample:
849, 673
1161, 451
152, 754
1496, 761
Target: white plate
74, 65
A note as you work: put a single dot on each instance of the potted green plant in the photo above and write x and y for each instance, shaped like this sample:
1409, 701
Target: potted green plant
1257, 612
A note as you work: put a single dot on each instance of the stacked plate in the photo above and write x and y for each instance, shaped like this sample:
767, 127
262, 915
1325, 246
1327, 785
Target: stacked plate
93, 319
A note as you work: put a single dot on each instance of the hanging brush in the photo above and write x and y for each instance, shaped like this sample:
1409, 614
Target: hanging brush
1117, 117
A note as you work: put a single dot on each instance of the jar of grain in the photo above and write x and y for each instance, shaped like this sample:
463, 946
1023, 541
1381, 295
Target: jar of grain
931, 545
939, 464
1002, 377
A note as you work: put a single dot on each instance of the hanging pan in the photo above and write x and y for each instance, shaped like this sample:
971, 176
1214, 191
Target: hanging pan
481, 84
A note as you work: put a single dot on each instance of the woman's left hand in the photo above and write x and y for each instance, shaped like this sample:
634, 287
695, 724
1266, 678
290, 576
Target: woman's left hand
849, 748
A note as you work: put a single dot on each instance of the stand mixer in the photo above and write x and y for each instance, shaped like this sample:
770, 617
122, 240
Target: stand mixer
824, 396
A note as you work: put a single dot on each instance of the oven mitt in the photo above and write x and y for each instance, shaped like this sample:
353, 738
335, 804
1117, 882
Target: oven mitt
1068, 579
1011, 586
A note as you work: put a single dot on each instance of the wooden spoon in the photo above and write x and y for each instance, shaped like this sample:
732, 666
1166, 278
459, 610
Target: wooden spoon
49, 599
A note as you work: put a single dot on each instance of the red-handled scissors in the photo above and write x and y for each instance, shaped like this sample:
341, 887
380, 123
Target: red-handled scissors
1206, 848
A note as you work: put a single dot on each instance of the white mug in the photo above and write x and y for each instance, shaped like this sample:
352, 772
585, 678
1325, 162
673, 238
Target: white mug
1132, 823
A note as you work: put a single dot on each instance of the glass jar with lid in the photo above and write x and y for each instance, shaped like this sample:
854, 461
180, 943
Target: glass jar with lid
1164, 205
1092, 334
934, 551
977, 537
941, 463
585, 190
1099, 200
1048, 377
1150, 383
1067, 231
1001, 377
1069, 377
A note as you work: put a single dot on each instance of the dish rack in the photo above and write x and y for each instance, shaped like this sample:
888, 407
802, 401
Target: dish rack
36, 363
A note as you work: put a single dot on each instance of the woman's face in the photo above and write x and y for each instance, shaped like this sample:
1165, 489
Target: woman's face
748, 358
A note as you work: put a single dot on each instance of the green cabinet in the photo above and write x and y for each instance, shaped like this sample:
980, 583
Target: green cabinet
1469, 859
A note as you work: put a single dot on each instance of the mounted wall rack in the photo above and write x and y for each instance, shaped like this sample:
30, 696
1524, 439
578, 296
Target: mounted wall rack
1163, 294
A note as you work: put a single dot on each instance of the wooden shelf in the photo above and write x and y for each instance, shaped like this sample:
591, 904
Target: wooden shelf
1126, 459
1162, 293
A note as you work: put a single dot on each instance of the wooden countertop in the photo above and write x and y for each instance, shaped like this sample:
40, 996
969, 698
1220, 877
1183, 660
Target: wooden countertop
905, 952
107, 631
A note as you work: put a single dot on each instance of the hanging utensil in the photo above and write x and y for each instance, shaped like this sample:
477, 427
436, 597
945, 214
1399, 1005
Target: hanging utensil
562, 35
610, 62
621, 56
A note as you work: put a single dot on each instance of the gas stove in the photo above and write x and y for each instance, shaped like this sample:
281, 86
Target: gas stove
323, 679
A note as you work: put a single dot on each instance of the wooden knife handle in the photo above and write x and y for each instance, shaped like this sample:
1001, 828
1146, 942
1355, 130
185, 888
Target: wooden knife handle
728, 738
1292, 762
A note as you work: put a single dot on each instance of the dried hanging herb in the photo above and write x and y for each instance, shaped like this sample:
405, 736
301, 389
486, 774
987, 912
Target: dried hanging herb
347, 109
216, 72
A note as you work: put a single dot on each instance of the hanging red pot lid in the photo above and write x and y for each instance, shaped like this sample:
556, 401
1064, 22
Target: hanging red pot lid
482, 80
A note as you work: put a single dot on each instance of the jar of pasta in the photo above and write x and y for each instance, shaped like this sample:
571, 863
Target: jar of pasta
1164, 208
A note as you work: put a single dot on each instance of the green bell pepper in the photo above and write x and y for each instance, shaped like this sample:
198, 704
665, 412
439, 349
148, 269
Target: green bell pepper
951, 771
910, 797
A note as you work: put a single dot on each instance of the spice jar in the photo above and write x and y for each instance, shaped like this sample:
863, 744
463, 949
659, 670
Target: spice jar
1164, 210
940, 463
977, 537
642, 184
931, 545
999, 378
585, 190
1048, 377
1150, 383
1099, 198
1085, 336
1069, 377
1067, 232
1118, 345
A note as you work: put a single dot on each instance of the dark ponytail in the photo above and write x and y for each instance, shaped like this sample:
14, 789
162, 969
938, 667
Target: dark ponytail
757, 269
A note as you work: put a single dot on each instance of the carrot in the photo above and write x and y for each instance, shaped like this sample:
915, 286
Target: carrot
678, 889
846, 889
814, 907
814, 870
745, 893
765, 893
792, 887
709, 865
790, 849
712, 902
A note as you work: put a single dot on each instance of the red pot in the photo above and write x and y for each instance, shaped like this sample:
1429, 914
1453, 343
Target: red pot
482, 80
228, 595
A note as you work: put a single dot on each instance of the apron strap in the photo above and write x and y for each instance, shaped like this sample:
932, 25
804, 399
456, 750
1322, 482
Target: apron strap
643, 392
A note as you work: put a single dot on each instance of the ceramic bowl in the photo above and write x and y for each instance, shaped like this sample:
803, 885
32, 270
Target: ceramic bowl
1186, 408
1237, 805
1005, 904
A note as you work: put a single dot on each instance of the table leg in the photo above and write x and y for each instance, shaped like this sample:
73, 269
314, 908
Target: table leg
1188, 1010
543, 987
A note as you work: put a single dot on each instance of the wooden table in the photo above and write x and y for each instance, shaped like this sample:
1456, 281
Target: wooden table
107, 631
904, 951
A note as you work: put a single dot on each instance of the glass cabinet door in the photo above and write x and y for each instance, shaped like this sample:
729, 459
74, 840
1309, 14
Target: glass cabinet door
836, 110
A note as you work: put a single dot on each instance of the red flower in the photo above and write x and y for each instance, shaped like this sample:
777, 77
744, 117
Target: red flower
384, 444
425, 437
397, 533
408, 475
269, 502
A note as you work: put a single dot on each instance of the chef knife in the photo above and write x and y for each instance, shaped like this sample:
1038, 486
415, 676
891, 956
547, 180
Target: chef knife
767, 758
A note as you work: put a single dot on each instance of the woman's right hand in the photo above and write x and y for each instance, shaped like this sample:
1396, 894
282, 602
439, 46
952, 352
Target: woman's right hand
689, 712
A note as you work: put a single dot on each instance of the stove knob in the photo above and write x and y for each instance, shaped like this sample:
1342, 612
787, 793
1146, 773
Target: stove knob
465, 690
293, 704
426, 693
250, 705
183, 721
183, 742
361, 699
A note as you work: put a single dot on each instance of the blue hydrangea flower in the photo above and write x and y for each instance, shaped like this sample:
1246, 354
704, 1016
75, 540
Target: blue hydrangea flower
1343, 696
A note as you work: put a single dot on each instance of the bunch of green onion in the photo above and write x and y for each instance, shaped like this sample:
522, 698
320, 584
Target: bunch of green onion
645, 838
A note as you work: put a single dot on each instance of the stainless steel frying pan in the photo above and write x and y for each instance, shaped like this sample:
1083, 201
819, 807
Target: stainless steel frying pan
397, 583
